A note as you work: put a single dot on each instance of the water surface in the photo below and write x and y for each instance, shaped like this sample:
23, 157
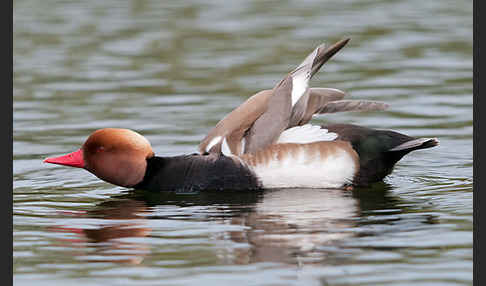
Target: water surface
171, 70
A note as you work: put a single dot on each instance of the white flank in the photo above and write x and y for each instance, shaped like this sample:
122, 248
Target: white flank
302, 170
300, 82
213, 142
225, 149
306, 134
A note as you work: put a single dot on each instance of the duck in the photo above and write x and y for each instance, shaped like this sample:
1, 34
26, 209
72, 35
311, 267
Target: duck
267, 142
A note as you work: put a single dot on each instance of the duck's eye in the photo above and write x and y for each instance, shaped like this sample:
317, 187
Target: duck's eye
100, 149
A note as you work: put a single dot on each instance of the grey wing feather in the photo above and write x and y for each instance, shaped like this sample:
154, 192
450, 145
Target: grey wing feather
273, 121
352, 105
309, 104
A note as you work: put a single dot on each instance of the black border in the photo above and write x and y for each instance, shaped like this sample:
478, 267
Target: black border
7, 118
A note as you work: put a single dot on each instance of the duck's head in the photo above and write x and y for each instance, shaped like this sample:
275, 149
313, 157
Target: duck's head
115, 155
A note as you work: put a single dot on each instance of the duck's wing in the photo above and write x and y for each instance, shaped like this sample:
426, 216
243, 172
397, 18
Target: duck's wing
236, 126
283, 105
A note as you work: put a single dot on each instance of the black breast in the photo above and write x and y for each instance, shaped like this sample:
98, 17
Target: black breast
194, 173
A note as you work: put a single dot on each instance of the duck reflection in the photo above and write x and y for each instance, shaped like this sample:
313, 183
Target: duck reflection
285, 226
118, 220
288, 224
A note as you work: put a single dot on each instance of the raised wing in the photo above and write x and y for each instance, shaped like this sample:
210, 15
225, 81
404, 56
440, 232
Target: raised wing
259, 121
283, 104
234, 125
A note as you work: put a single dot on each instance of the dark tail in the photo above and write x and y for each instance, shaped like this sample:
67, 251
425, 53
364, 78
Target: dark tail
376, 167
378, 150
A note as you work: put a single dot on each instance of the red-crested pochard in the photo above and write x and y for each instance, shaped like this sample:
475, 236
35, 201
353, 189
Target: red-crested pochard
264, 143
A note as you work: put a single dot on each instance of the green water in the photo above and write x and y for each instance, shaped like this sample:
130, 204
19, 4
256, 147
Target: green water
171, 70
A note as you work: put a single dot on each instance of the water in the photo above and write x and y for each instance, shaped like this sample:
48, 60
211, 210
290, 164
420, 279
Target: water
171, 70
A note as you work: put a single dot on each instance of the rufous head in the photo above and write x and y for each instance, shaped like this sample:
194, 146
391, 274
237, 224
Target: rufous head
115, 155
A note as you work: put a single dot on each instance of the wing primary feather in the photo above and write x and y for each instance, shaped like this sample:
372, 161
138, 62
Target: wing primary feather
352, 105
